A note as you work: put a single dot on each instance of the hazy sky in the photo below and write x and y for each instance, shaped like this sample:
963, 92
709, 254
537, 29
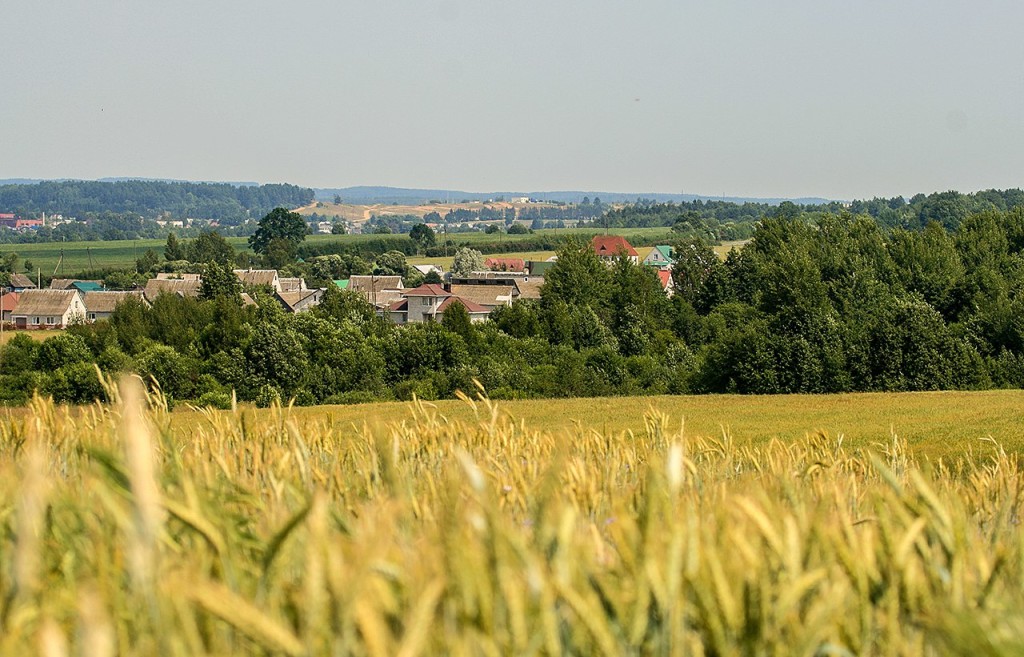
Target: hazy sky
789, 98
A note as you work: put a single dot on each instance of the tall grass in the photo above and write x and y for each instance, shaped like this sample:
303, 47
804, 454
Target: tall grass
255, 533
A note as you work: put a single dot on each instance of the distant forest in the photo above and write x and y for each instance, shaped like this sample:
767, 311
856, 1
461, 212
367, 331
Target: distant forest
947, 208
227, 204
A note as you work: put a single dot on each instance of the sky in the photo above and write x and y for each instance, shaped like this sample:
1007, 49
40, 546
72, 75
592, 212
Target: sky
790, 98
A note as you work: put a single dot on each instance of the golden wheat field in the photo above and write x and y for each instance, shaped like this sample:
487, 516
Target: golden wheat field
282, 532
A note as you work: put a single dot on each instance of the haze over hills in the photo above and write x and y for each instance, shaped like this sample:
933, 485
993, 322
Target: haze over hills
369, 195
373, 195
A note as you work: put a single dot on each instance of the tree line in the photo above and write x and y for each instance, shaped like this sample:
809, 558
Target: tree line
824, 303
225, 203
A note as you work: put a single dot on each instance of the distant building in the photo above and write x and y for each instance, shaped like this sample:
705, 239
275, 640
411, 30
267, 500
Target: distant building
181, 287
48, 309
505, 264
259, 277
428, 302
21, 282
660, 256
8, 303
611, 247
101, 305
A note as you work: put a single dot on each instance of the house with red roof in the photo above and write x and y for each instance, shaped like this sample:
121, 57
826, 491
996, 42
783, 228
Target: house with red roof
665, 278
428, 302
8, 302
611, 247
505, 264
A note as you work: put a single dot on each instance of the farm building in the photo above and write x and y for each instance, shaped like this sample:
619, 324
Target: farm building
38, 309
101, 305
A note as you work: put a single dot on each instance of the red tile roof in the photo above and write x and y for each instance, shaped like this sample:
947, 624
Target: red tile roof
505, 264
609, 246
427, 290
665, 276
469, 305
399, 306
9, 301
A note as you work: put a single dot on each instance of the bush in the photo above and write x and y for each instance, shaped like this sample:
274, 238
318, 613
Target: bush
218, 400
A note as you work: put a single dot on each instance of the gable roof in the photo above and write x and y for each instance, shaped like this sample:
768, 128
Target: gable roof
485, 295
297, 300
529, 288
665, 276
342, 284
471, 308
665, 251
105, 302
80, 285
400, 306
257, 276
155, 287
610, 246
427, 290
175, 276
44, 302
292, 284
21, 281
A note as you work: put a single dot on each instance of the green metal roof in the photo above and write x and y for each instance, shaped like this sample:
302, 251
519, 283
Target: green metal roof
87, 286
342, 284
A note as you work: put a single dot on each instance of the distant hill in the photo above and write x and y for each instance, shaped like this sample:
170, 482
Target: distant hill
366, 195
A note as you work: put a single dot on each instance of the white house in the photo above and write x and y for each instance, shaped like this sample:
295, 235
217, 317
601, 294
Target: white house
38, 309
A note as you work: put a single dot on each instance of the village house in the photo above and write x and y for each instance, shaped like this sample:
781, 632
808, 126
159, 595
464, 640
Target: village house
293, 284
526, 286
48, 309
21, 282
76, 284
487, 296
611, 247
505, 264
427, 303
660, 256
259, 277
14, 222
173, 276
300, 301
665, 278
380, 291
101, 305
8, 302
182, 287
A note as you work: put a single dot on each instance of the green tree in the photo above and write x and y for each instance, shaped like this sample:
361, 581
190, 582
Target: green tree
467, 261
423, 235
278, 224
61, 350
456, 319
338, 228
578, 278
391, 263
173, 250
147, 261
279, 253
210, 246
220, 281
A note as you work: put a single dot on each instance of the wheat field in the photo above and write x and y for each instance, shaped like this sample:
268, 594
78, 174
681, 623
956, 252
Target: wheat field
266, 533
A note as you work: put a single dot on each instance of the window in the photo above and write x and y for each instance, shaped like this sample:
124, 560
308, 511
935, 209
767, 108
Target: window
51, 320
92, 316
35, 320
